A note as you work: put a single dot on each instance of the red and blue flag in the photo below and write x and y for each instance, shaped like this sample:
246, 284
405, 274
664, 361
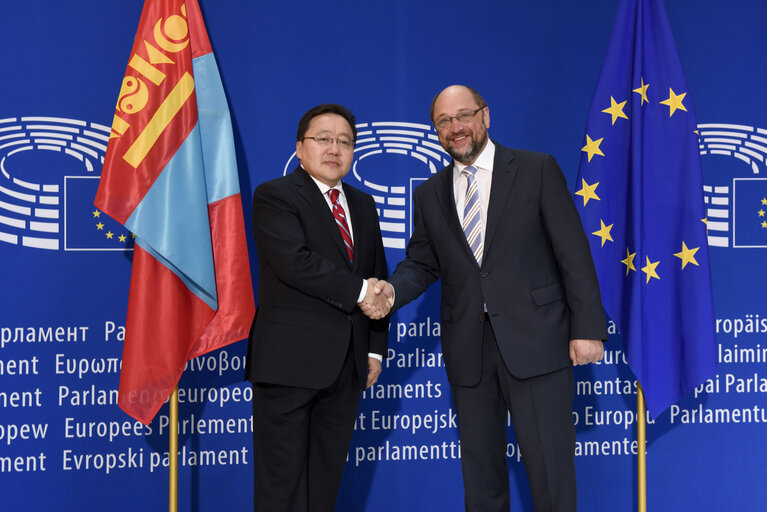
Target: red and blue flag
170, 177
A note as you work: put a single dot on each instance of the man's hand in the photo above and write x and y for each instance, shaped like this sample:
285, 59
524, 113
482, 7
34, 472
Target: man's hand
374, 370
385, 289
586, 351
377, 305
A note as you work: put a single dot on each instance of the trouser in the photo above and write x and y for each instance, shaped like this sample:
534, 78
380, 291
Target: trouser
541, 411
300, 441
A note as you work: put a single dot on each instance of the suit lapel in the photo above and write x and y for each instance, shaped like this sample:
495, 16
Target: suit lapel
446, 199
504, 172
309, 191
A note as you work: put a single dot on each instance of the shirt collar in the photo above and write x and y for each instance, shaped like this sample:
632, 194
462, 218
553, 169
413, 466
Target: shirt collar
323, 187
484, 161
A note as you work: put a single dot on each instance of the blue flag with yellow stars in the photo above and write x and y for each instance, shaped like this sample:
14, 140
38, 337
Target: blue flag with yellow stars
749, 222
639, 192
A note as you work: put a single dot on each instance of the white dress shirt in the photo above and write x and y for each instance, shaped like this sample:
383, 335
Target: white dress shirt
484, 176
341, 199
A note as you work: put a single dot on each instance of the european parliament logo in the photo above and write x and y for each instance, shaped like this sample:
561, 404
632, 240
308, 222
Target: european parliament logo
380, 169
736, 208
49, 173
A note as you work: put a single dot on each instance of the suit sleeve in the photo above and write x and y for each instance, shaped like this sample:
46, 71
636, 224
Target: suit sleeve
280, 237
420, 268
379, 329
573, 255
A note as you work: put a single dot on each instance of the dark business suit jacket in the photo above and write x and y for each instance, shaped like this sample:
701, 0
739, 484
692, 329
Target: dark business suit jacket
537, 277
307, 289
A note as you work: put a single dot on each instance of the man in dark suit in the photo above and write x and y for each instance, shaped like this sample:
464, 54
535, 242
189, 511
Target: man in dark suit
311, 349
520, 302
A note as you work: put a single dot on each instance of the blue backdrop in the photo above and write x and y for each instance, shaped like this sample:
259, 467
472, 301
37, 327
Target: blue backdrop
65, 445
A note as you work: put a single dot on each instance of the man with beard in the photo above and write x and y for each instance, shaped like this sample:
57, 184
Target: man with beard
520, 302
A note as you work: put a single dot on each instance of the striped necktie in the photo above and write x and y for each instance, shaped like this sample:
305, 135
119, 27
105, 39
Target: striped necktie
472, 214
340, 215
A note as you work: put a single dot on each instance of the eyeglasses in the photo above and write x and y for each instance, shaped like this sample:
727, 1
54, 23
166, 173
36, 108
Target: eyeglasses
324, 142
462, 117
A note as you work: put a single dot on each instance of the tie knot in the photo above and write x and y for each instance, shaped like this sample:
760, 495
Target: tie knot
334, 193
469, 171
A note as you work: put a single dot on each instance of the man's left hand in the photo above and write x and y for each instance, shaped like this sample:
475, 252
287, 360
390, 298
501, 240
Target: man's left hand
374, 370
586, 351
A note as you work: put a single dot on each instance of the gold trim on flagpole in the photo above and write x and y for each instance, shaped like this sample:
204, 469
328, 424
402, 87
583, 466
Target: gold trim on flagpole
173, 452
641, 462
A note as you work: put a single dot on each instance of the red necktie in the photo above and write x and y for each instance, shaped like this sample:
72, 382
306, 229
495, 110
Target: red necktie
340, 215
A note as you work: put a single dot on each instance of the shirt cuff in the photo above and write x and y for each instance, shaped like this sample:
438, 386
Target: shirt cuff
375, 356
363, 291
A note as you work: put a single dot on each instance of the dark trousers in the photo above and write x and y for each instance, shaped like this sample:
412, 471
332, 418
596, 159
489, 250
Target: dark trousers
300, 441
541, 410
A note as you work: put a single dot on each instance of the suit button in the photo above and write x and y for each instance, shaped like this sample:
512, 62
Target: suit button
483, 274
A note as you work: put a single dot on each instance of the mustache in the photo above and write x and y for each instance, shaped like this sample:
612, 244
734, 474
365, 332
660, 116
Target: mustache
460, 134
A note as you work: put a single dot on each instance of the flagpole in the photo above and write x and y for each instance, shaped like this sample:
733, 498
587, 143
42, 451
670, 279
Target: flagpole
173, 453
641, 462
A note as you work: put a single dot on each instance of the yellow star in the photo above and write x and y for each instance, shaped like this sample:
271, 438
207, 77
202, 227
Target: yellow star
764, 224
592, 147
761, 213
615, 110
121, 238
99, 226
604, 232
649, 269
96, 213
629, 261
588, 192
764, 200
110, 234
674, 101
642, 91
687, 255
704, 220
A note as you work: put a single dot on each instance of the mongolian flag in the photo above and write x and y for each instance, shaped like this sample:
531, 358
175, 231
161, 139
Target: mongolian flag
170, 177
640, 197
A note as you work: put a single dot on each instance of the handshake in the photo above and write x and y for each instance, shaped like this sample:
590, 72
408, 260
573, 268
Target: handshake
378, 299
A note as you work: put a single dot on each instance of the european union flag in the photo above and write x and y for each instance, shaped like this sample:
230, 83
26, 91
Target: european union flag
86, 228
749, 208
640, 196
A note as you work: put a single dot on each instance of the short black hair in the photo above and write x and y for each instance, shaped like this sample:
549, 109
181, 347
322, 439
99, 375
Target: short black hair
325, 108
477, 97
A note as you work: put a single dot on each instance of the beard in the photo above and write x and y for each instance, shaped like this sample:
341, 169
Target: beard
470, 154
